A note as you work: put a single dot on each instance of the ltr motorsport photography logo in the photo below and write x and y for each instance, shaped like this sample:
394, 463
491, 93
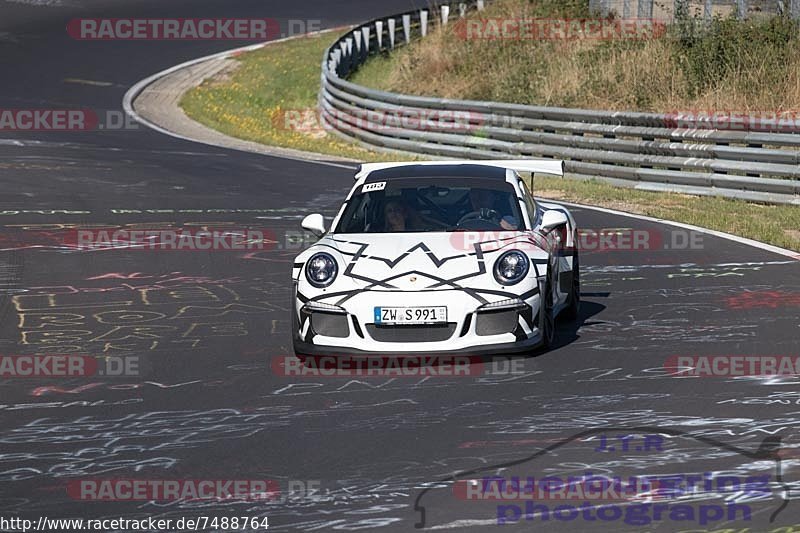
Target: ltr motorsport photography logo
551, 492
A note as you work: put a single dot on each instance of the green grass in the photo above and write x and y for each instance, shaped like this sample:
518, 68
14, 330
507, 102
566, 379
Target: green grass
271, 98
374, 73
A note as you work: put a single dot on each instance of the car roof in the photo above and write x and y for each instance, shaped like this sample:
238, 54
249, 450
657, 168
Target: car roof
436, 171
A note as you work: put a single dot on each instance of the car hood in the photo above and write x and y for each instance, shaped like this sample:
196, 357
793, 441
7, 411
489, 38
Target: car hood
421, 261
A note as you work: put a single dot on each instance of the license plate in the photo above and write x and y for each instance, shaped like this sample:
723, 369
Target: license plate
410, 315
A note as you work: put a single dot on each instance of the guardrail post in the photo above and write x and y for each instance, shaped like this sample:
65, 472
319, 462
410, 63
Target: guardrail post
347, 61
708, 12
357, 35
423, 22
741, 9
365, 31
391, 32
379, 33
462, 10
445, 14
407, 27
644, 10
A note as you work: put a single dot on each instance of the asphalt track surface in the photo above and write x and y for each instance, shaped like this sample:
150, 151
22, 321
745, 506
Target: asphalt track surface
206, 326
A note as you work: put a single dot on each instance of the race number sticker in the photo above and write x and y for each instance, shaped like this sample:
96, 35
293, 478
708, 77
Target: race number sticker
373, 186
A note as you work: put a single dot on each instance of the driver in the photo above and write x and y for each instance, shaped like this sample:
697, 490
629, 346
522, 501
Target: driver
483, 201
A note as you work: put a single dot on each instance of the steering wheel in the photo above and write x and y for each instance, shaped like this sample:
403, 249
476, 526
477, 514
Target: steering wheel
483, 214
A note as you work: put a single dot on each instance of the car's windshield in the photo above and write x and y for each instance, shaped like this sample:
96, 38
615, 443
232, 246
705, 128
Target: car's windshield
432, 204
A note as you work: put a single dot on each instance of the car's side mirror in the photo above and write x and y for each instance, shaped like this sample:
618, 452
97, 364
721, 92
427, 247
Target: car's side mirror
315, 224
553, 219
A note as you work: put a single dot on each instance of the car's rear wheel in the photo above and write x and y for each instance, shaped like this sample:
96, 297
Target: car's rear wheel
547, 321
574, 298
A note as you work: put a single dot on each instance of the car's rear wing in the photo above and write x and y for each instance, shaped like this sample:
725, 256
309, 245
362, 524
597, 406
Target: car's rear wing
527, 166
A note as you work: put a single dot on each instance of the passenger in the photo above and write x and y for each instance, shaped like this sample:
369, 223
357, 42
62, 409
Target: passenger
395, 216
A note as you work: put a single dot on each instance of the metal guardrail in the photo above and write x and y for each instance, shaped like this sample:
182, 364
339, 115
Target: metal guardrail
641, 150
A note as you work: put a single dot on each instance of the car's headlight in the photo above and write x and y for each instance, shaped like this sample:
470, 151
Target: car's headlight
511, 267
321, 269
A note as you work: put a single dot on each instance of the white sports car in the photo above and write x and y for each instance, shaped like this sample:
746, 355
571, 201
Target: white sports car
450, 257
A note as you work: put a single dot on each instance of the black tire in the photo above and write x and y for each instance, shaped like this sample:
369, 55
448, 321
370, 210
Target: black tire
547, 321
573, 308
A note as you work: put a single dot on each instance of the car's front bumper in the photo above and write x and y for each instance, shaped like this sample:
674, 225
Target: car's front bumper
471, 328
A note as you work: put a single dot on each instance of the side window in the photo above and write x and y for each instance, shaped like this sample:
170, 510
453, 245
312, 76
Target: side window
530, 204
